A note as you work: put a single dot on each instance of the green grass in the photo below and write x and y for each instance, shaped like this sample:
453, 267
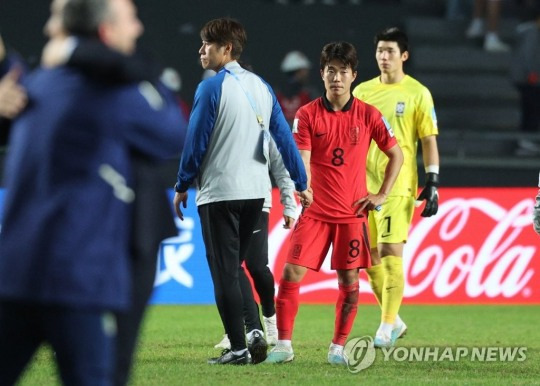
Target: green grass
177, 340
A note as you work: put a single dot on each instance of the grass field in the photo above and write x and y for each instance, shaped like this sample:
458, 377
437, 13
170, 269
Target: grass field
177, 340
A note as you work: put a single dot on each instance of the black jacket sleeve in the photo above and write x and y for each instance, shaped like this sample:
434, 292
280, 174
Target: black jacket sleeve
104, 64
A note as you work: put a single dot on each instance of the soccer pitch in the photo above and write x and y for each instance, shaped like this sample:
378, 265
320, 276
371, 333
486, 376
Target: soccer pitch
177, 340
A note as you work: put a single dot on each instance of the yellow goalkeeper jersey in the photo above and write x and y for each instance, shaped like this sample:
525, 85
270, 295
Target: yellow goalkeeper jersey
409, 108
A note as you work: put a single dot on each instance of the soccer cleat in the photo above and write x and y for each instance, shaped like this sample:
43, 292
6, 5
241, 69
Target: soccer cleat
398, 331
381, 341
230, 358
280, 354
336, 356
271, 330
225, 343
257, 347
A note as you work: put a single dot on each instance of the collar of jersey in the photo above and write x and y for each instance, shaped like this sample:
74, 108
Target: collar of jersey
328, 106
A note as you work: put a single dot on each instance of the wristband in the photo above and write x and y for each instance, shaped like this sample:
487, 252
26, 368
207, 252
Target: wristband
432, 169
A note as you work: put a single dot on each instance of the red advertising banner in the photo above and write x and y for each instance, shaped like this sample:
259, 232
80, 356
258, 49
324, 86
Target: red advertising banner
480, 248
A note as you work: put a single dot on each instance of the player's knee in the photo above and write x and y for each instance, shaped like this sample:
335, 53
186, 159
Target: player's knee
293, 273
350, 292
255, 269
393, 266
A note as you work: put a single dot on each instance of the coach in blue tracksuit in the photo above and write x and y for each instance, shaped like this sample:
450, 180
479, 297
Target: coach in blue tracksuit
226, 150
64, 253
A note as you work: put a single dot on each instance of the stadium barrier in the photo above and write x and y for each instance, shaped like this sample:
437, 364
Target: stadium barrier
479, 249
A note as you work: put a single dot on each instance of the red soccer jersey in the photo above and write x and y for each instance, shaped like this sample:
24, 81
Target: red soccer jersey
339, 142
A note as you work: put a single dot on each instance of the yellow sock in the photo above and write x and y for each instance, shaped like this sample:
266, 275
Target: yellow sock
376, 280
392, 291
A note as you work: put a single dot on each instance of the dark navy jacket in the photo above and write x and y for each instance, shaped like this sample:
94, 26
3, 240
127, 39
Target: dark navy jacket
67, 213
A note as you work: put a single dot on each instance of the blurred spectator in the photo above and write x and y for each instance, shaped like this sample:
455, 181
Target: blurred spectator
487, 11
525, 73
296, 91
457, 9
173, 80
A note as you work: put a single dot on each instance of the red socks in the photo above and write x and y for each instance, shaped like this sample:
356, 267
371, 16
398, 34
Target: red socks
346, 308
286, 308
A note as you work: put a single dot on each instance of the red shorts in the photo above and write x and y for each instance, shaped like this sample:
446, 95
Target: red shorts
311, 239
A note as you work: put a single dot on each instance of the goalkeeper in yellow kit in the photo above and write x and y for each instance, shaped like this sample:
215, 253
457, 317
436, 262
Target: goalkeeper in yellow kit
408, 106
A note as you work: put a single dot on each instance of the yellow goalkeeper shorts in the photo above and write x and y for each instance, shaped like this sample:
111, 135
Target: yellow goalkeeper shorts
391, 224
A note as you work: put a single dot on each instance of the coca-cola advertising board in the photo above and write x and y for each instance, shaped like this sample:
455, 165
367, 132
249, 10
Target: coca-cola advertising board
479, 248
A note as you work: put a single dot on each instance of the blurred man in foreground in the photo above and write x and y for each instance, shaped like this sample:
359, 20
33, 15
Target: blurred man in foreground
64, 248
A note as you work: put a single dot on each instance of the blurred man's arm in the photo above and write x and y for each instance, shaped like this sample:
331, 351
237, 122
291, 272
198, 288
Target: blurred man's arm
12, 96
98, 61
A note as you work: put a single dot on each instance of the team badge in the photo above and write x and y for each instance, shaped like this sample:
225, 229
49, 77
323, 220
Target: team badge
400, 109
297, 250
354, 134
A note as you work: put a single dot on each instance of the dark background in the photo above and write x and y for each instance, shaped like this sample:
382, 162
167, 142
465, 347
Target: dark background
172, 34
172, 31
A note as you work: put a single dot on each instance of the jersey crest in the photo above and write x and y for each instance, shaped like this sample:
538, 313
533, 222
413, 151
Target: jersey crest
400, 109
354, 134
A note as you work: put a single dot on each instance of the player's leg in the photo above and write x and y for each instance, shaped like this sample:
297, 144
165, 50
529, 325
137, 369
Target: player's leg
84, 343
251, 311
257, 345
286, 309
346, 309
310, 241
20, 336
391, 240
375, 273
249, 221
392, 293
350, 253
227, 229
263, 280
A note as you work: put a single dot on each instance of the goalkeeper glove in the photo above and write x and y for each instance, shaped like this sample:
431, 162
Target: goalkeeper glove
430, 194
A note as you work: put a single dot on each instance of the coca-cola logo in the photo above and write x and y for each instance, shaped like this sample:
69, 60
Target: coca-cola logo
480, 247
473, 245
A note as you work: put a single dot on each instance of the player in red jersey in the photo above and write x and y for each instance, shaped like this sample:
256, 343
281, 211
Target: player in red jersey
333, 134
